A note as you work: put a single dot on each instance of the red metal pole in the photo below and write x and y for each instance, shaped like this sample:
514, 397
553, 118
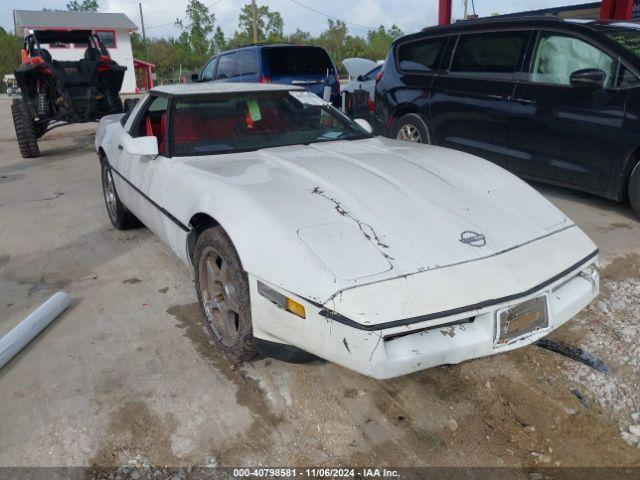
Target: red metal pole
444, 12
616, 9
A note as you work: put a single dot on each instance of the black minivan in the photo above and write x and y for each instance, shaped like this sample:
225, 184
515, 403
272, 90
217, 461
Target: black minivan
549, 99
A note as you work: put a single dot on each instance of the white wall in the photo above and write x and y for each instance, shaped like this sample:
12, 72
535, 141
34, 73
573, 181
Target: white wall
122, 54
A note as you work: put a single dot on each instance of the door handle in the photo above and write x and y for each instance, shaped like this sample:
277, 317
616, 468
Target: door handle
525, 101
120, 148
499, 97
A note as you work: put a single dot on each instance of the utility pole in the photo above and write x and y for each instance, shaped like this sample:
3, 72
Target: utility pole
254, 11
144, 35
466, 4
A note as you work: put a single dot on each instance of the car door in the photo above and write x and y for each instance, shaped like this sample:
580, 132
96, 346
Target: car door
562, 133
226, 69
137, 171
247, 67
209, 70
471, 99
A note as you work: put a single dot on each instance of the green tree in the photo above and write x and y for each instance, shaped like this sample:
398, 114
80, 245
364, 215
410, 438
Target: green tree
380, 40
299, 36
269, 25
10, 56
219, 41
333, 40
194, 43
83, 6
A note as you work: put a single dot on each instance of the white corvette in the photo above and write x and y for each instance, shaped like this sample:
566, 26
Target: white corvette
307, 233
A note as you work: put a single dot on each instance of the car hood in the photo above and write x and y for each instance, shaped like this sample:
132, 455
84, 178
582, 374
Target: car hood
358, 66
377, 208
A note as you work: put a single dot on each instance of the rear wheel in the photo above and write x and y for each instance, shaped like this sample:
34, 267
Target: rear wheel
120, 216
25, 129
634, 189
223, 293
411, 128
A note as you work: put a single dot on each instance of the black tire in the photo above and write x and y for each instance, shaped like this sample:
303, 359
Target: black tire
411, 128
222, 287
634, 189
25, 131
120, 216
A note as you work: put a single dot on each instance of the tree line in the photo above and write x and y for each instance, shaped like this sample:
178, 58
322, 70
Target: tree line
201, 36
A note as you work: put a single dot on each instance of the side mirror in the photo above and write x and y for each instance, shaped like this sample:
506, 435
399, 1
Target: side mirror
143, 146
194, 77
359, 78
592, 78
364, 124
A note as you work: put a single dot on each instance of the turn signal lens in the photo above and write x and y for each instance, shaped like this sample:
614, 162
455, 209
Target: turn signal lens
295, 308
281, 300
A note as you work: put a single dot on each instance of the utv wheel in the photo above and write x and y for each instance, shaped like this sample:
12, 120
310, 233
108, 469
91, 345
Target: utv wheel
25, 131
634, 189
223, 293
120, 216
411, 128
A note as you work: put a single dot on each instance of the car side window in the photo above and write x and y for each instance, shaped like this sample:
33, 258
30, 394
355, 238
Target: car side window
152, 121
207, 71
372, 74
558, 55
226, 66
491, 55
247, 63
421, 55
626, 78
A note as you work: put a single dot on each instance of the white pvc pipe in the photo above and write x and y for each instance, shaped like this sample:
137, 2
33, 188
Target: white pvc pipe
30, 327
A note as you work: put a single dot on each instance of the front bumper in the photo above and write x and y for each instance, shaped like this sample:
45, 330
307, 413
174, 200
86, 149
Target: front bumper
389, 349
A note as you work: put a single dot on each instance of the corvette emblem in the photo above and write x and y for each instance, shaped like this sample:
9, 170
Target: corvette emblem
474, 239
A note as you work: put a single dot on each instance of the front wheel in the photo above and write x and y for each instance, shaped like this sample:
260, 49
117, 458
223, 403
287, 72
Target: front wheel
634, 189
120, 216
223, 293
25, 132
411, 128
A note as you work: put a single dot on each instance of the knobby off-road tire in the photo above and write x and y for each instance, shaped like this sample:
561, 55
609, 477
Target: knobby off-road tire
120, 216
634, 189
223, 294
411, 128
25, 131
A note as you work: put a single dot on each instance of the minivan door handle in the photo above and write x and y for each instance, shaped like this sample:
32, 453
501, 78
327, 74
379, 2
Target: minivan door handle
525, 101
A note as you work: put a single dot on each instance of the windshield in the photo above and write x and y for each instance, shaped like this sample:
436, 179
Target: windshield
238, 122
628, 38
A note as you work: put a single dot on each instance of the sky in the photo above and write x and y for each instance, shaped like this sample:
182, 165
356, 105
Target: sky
409, 15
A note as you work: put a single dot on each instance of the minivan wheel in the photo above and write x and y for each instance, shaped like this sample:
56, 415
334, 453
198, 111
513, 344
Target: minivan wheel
634, 189
411, 128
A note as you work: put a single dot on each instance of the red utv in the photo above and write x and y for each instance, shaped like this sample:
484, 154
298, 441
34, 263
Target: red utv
56, 92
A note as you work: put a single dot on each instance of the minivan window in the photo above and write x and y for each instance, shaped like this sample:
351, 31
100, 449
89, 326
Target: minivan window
557, 56
226, 67
420, 56
284, 61
207, 71
247, 63
494, 54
